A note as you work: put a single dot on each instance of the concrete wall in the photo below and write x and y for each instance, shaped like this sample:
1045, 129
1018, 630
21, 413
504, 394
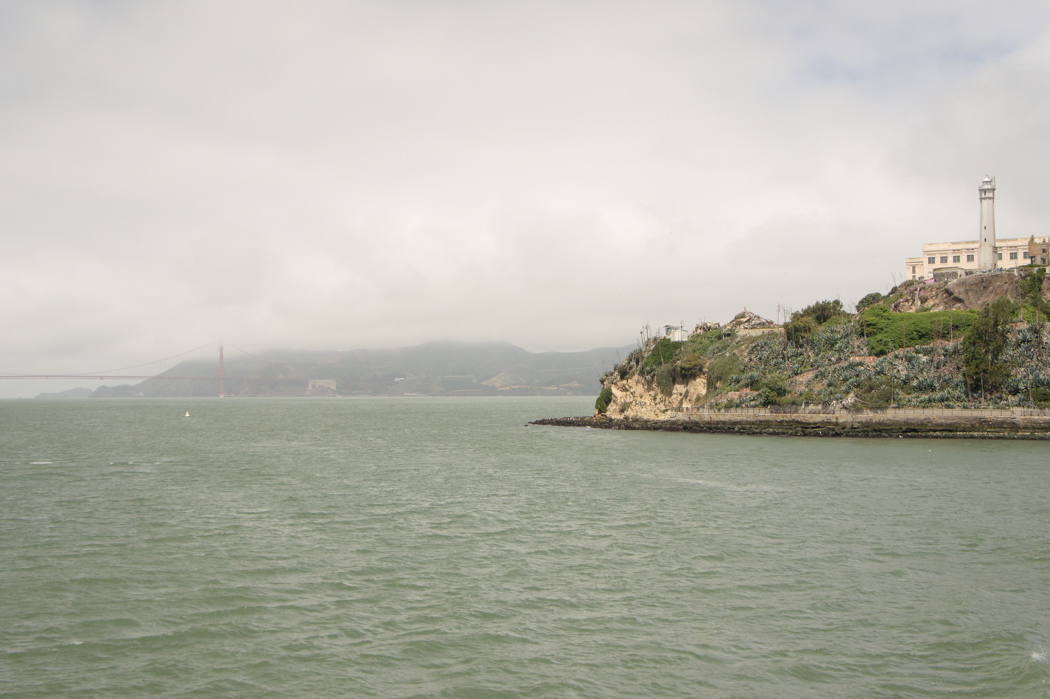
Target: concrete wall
1039, 251
821, 414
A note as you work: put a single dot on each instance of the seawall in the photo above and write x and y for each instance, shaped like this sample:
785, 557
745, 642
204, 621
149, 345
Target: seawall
949, 423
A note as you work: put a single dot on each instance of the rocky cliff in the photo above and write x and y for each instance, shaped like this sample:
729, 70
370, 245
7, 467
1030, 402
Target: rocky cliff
978, 340
637, 397
974, 291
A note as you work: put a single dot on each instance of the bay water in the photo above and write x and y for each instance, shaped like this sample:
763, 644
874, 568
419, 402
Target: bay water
439, 547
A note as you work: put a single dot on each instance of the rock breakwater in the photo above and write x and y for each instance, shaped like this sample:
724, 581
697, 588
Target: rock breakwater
985, 424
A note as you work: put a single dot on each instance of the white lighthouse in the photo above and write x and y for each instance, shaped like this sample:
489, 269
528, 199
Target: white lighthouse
986, 260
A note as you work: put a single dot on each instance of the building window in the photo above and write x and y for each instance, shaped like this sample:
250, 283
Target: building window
998, 255
1024, 255
955, 258
969, 258
913, 270
1013, 255
931, 260
944, 259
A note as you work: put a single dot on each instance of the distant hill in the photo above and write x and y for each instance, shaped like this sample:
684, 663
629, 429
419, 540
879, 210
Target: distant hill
71, 394
433, 369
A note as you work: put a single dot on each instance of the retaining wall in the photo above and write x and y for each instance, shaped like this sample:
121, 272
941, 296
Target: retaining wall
821, 414
901, 422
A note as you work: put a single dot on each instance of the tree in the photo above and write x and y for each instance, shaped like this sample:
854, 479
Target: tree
691, 366
1032, 288
869, 300
805, 322
985, 343
773, 388
823, 311
799, 327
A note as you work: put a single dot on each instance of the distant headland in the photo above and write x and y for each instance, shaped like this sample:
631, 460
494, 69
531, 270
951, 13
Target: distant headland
432, 369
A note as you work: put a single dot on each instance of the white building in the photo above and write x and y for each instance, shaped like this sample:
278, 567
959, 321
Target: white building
676, 333
949, 260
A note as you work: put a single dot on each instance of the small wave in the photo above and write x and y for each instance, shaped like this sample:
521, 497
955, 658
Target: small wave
730, 487
1041, 655
41, 463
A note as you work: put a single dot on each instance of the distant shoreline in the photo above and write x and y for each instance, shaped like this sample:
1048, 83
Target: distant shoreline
859, 425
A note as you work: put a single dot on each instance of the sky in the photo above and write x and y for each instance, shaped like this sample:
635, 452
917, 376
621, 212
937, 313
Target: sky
338, 175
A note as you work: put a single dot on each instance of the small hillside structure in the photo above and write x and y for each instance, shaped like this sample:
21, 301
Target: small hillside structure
676, 333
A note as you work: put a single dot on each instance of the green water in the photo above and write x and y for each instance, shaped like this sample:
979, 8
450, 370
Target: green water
439, 547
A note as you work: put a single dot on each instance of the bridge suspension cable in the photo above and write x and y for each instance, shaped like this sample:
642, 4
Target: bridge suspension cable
106, 373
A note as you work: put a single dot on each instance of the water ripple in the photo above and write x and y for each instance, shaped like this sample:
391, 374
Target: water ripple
435, 548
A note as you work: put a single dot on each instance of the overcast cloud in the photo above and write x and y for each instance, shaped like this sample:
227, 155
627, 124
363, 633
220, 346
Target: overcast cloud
335, 175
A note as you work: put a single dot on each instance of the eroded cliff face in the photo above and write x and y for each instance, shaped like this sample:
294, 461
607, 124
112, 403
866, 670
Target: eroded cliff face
974, 291
637, 397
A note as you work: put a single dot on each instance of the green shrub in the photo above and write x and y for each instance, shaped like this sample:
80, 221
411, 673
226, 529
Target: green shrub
984, 344
1032, 285
1032, 288
787, 399
664, 352
875, 392
691, 366
822, 311
709, 343
665, 379
887, 331
773, 389
868, 301
806, 322
721, 369
604, 398
799, 328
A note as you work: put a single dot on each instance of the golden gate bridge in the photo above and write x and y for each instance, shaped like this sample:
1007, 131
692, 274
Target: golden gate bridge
122, 373
155, 370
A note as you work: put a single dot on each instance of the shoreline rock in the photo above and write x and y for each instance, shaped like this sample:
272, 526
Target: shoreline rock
786, 426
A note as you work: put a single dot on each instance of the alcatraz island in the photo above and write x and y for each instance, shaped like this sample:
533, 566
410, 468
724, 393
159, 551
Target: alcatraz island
959, 349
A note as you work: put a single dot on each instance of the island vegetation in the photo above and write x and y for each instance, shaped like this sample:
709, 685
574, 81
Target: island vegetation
978, 341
